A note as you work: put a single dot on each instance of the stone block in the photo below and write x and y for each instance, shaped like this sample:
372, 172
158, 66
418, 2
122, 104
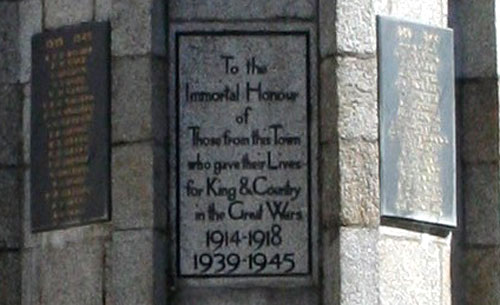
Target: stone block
139, 255
10, 275
425, 11
103, 10
72, 273
31, 265
11, 109
329, 177
26, 123
328, 103
359, 183
481, 272
251, 296
135, 179
355, 25
358, 266
475, 39
10, 209
327, 34
59, 13
480, 194
138, 27
480, 120
195, 10
30, 12
357, 98
138, 99
410, 270
9, 43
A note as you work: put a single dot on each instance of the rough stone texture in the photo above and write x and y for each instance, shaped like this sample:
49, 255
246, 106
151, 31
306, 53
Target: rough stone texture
446, 282
475, 39
9, 44
72, 273
359, 266
482, 276
355, 27
10, 278
329, 176
410, 268
357, 98
138, 99
10, 209
136, 254
359, 183
255, 296
102, 10
30, 12
244, 9
10, 124
426, 11
327, 34
67, 12
133, 188
31, 265
26, 123
138, 27
328, 102
480, 120
481, 191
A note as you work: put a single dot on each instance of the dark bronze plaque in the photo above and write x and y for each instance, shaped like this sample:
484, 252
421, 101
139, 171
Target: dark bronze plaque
417, 122
70, 138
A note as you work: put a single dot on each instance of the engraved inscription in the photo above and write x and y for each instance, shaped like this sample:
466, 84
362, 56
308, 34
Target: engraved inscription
243, 194
418, 124
70, 132
67, 115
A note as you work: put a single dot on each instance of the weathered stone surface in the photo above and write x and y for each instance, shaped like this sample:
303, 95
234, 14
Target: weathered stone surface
357, 98
355, 27
72, 273
327, 34
137, 254
359, 266
329, 178
31, 265
329, 107
480, 120
10, 209
432, 12
10, 124
482, 213
66, 12
10, 275
359, 183
476, 48
481, 269
134, 203
103, 10
26, 124
247, 296
30, 12
446, 282
138, 27
138, 99
410, 268
9, 44
244, 9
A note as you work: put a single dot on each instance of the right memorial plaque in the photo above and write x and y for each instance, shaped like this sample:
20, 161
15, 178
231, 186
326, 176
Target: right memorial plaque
417, 122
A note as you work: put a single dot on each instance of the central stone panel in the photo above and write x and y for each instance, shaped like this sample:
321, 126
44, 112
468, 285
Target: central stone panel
243, 153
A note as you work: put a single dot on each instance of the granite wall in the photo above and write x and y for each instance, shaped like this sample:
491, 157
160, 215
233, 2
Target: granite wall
361, 260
